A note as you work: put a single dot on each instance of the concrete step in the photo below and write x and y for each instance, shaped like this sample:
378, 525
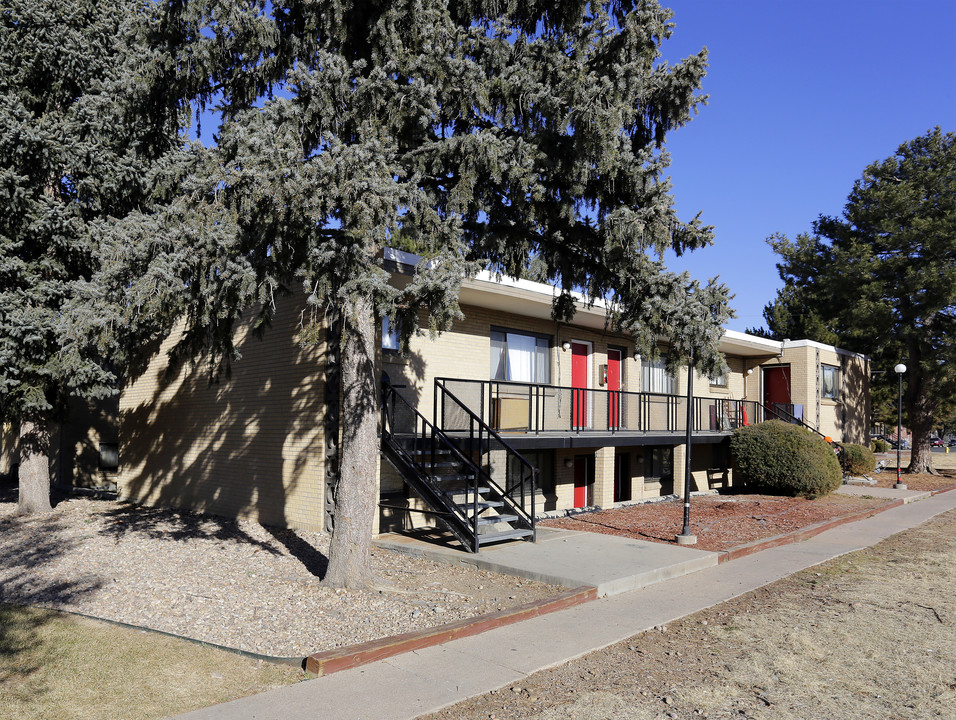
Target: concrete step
500, 536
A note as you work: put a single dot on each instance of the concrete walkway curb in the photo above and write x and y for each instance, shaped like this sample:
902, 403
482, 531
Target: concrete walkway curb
408, 685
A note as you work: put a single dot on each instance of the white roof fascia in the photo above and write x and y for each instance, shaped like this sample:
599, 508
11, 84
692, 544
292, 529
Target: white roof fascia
527, 297
821, 346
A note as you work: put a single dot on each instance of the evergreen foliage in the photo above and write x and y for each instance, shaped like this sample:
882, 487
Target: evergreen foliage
85, 141
882, 281
786, 459
504, 135
859, 460
483, 134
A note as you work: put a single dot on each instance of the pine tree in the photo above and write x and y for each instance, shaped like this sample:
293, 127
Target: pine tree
82, 134
484, 134
882, 280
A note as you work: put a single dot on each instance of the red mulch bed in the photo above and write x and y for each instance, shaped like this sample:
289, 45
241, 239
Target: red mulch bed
720, 522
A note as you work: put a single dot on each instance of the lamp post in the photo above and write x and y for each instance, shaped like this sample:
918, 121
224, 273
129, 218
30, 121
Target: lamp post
900, 369
686, 537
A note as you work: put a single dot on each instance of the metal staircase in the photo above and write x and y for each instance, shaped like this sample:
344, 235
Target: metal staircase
452, 481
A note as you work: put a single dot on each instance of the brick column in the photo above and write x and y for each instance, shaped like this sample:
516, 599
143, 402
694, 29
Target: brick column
679, 455
604, 477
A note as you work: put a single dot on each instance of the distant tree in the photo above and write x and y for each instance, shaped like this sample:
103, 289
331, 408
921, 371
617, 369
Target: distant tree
84, 141
882, 280
480, 134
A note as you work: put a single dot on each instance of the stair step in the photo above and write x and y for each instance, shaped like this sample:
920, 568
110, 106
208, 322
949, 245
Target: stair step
495, 519
466, 491
453, 478
504, 535
481, 504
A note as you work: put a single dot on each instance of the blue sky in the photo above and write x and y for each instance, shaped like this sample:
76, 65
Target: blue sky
803, 96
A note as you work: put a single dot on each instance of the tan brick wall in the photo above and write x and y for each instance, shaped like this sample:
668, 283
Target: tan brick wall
845, 419
250, 446
465, 350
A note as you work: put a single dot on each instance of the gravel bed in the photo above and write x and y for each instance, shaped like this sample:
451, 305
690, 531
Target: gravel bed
230, 582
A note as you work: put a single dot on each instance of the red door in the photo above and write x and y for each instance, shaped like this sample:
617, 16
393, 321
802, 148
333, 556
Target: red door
582, 479
579, 384
614, 389
776, 387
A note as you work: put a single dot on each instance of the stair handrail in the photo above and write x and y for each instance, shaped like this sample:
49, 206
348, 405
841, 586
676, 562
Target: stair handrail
389, 394
529, 516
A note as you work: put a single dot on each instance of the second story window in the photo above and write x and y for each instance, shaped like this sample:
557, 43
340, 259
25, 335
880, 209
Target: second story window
391, 341
520, 357
656, 379
830, 382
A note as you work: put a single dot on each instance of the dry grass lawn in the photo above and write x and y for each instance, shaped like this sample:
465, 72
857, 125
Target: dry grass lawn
868, 635
60, 666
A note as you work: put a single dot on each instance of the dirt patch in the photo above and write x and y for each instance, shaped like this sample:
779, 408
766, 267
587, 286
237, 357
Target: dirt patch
868, 635
720, 522
943, 463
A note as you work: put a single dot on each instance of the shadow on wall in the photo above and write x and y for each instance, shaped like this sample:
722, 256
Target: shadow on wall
248, 446
852, 417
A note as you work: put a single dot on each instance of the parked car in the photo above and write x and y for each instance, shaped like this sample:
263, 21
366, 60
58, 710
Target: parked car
936, 442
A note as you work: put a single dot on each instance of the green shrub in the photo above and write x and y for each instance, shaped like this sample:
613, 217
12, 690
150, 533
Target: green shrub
859, 460
880, 445
785, 459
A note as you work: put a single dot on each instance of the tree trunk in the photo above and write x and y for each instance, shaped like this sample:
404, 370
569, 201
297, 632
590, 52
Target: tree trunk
921, 410
921, 454
355, 496
34, 469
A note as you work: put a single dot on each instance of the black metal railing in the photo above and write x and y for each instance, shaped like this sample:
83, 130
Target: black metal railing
452, 483
724, 415
505, 468
414, 446
538, 408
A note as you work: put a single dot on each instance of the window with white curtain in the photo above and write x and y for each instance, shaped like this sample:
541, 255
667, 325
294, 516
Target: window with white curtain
656, 379
829, 382
520, 357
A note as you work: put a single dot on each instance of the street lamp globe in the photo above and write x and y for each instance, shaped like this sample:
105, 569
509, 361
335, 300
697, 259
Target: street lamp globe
901, 368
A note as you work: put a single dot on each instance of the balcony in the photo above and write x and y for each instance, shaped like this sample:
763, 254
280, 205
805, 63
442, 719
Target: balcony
536, 415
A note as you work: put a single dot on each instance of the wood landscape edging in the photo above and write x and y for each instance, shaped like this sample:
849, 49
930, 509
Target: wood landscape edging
330, 661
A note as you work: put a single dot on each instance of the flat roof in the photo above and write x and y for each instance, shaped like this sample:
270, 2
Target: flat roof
534, 299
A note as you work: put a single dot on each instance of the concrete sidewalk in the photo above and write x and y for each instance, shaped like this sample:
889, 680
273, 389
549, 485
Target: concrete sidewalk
571, 558
415, 683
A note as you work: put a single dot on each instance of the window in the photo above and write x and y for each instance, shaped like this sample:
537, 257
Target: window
719, 380
390, 336
656, 379
830, 382
658, 463
109, 456
520, 357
